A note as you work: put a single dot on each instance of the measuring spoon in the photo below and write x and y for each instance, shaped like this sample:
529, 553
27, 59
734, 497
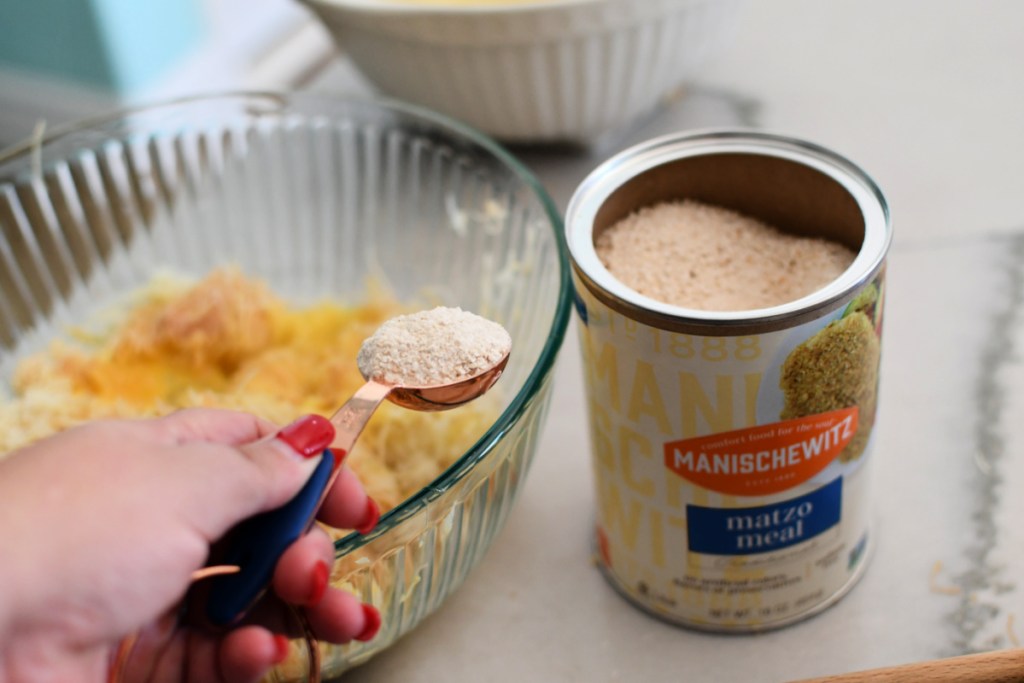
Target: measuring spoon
255, 545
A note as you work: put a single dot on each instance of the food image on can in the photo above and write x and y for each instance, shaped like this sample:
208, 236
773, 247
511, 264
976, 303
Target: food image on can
731, 449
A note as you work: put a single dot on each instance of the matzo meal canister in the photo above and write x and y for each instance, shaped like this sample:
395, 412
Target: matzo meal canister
730, 287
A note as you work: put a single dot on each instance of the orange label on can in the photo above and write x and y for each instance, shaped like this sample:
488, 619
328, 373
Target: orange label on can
765, 459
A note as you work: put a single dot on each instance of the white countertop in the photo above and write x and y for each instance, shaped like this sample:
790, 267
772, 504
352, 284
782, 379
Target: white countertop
928, 97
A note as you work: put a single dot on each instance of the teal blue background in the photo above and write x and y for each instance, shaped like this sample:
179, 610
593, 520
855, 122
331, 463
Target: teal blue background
118, 46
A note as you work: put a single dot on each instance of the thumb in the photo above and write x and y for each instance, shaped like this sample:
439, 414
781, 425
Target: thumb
269, 473
287, 459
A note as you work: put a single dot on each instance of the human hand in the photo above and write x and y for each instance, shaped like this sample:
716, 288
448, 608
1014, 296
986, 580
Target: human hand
101, 527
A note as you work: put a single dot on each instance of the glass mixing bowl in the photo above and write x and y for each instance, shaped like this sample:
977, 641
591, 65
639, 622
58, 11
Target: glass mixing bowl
317, 195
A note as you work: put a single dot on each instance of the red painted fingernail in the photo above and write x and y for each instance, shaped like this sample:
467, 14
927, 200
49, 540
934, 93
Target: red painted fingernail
281, 648
372, 516
319, 580
371, 623
308, 435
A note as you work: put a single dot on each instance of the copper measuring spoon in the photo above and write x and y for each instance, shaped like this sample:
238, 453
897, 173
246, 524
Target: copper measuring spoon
350, 419
256, 544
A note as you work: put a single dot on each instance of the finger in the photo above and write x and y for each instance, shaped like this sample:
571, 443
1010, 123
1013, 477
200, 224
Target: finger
221, 485
302, 573
347, 506
283, 468
203, 652
170, 662
214, 424
247, 654
148, 646
340, 618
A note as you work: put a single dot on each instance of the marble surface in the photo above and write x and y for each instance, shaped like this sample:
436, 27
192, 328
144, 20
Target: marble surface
928, 98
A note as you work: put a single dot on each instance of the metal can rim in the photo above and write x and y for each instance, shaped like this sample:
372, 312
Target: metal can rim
611, 174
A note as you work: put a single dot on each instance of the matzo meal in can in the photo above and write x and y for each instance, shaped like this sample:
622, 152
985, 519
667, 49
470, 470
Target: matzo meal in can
730, 287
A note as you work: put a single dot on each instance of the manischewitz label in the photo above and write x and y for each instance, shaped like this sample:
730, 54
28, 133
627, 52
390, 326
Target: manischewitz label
730, 471
764, 459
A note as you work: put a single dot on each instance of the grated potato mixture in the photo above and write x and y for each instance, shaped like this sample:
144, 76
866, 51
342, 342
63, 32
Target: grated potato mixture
227, 341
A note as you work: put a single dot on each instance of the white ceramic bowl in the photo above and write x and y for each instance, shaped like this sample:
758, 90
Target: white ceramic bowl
525, 70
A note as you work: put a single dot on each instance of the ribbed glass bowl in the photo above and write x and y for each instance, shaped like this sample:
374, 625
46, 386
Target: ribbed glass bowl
318, 196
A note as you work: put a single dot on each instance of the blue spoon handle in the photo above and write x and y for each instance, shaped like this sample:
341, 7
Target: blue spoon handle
255, 545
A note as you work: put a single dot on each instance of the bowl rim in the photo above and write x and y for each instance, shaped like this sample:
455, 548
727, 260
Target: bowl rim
559, 324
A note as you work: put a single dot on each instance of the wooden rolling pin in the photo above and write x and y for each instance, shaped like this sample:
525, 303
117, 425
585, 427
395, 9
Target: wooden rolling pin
1001, 666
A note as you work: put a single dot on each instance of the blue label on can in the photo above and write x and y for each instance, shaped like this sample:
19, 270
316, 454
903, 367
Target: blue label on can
764, 529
